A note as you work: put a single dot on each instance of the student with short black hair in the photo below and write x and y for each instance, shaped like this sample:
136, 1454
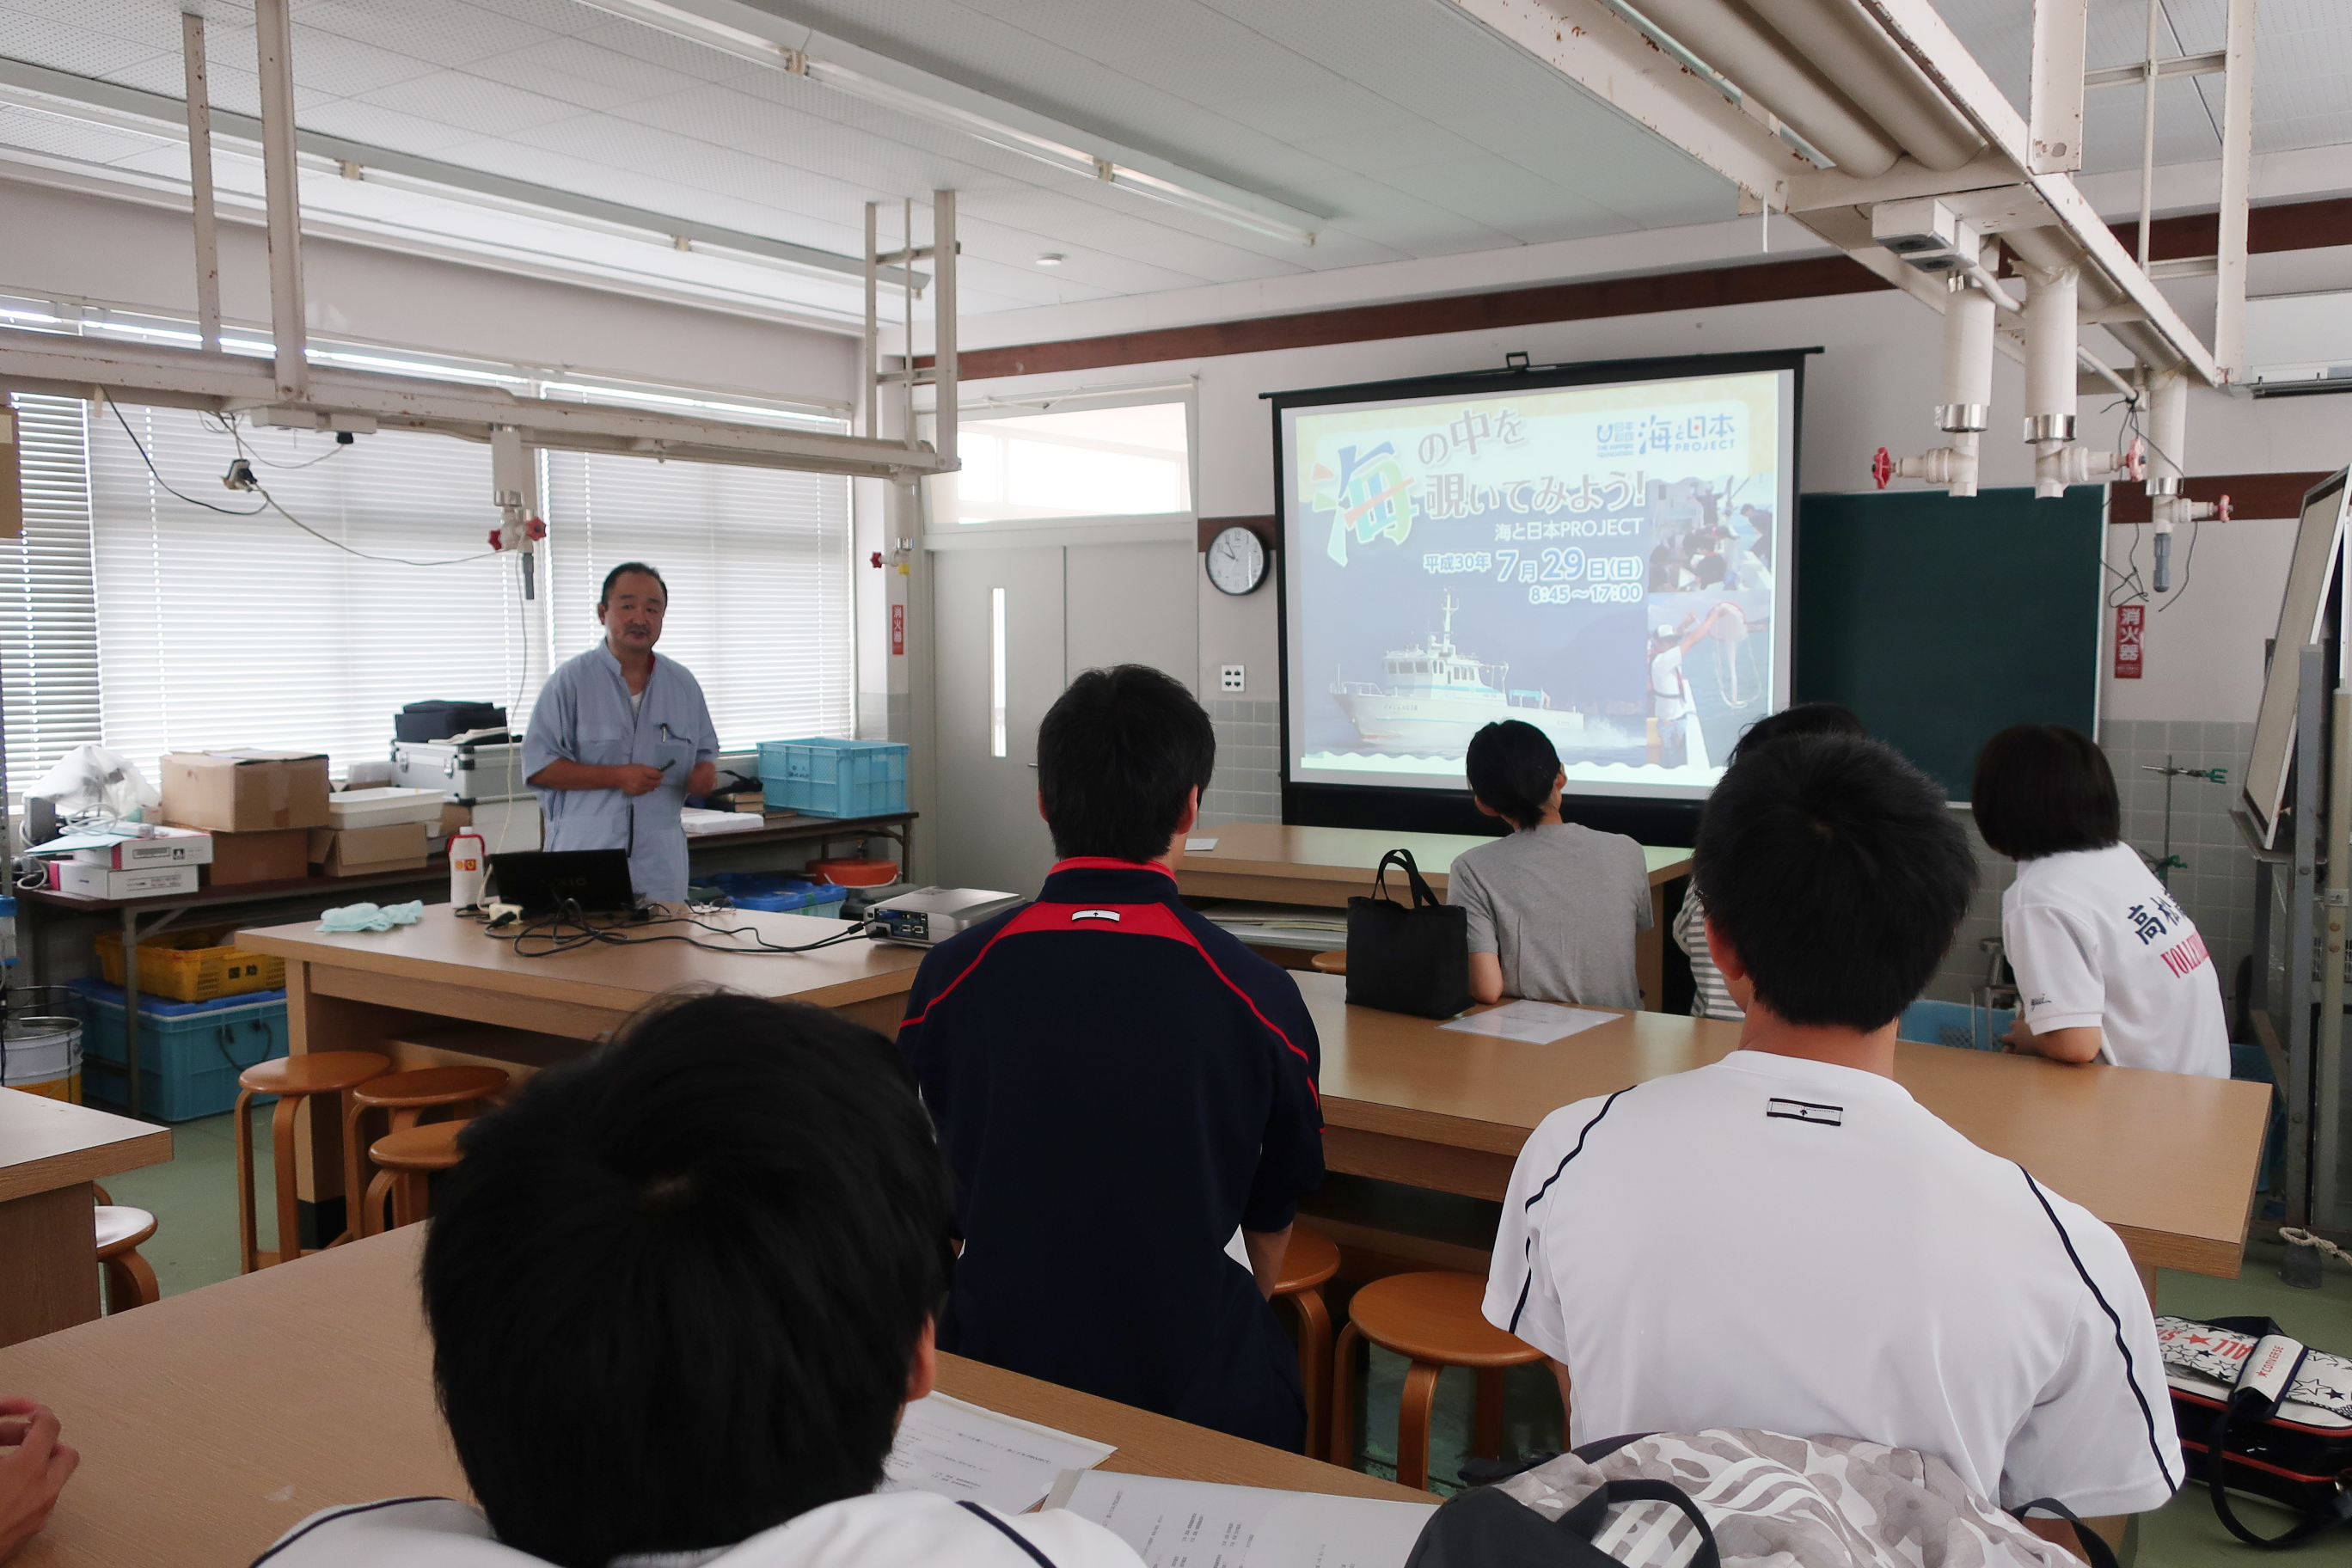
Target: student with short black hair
1785, 1239
2108, 967
679, 1292
1125, 1093
1553, 906
1710, 999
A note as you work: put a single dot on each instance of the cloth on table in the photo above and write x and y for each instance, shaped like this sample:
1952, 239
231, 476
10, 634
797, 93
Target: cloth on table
372, 917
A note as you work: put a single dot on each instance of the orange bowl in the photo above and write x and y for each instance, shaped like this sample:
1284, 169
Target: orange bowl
855, 873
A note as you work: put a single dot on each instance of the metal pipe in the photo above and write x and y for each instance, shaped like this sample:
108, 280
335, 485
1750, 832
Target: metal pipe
200, 180
906, 325
2105, 371
1762, 65
2302, 946
943, 325
873, 330
273, 35
2050, 344
2237, 187
2168, 432
1847, 47
2148, 138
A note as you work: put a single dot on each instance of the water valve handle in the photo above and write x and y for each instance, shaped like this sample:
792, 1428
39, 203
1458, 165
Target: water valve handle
1882, 467
2221, 509
2133, 460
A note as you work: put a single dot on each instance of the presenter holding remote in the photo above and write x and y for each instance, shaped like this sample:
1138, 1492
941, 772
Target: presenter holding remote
620, 739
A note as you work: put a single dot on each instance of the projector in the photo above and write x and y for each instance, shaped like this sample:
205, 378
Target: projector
928, 916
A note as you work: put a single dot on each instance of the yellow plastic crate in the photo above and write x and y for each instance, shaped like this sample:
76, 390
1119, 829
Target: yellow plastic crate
193, 973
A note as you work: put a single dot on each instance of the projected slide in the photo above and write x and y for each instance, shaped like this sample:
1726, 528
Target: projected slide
1601, 561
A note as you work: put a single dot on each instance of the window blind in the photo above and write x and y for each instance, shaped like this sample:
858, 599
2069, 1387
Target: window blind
49, 616
758, 563
244, 630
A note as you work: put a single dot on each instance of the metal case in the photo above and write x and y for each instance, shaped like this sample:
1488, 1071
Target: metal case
468, 771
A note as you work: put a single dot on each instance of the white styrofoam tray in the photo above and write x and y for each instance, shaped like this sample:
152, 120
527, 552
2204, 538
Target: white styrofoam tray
384, 807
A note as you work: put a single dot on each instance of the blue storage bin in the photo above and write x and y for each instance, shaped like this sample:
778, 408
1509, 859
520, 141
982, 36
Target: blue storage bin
823, 777
1953, 1023
189, 1052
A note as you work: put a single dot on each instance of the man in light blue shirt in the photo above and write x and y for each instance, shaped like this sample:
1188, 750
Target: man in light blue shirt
618, 739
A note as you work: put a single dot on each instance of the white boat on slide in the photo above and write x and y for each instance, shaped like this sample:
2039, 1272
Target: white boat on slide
1438, 697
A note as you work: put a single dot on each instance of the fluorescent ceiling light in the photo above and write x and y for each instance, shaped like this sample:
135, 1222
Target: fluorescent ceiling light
917, 94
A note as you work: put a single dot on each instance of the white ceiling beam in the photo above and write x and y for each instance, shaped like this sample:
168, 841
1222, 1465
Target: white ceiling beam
165, 116
1593, 47
150, 373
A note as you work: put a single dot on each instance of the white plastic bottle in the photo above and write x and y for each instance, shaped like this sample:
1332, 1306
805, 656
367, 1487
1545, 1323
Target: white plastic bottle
469, 865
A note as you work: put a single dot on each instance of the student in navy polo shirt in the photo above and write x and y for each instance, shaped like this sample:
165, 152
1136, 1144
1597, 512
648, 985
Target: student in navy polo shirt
1124, 1093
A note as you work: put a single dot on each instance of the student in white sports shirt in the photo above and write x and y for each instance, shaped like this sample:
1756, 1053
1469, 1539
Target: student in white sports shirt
1710, 999
2108, 968
1786, 1239
679, 1293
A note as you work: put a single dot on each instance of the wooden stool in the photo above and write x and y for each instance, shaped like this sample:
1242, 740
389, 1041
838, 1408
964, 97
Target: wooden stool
1434, 1320
403, 1161
130, 1282
407, 1096
1312, 1258
292, 1079
1331, 962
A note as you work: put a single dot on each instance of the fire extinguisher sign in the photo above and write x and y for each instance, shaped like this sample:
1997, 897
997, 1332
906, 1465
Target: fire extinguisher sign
2131, 629
898, 628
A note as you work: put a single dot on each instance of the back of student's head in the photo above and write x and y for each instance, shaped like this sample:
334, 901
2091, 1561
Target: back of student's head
1802, 719
1836, 872
676, 1290
1117, 756
2044, 789
1512, 766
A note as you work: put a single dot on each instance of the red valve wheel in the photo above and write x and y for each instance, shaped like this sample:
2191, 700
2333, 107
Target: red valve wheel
1882, 467
2135, 461
536, 528
498, 541
2221, 509
878, 558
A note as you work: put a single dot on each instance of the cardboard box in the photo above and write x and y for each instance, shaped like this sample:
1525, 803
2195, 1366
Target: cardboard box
362, 851
276, 856
242, 790
105, 882
453, 818
169, 847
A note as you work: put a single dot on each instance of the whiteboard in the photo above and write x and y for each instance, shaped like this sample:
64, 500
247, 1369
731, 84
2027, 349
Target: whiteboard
2303, 619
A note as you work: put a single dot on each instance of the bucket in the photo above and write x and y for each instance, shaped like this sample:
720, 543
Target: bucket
855, 873
43, 1057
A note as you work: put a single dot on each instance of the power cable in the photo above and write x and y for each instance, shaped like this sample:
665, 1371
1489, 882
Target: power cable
224, 510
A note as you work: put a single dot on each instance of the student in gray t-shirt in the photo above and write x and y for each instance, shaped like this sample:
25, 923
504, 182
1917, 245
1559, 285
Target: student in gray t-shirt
1554, 906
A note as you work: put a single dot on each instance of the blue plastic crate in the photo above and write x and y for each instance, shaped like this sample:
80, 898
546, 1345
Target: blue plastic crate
775, 893
1955, 1024
189, 1052
823, 777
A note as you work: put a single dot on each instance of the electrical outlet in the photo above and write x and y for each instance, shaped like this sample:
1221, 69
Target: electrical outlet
1231, 677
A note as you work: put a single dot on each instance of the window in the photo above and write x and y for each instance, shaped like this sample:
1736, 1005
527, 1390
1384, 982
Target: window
1085, 462
757, 561
48, 619
216, 630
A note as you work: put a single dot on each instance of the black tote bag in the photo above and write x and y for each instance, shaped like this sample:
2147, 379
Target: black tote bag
1407, 959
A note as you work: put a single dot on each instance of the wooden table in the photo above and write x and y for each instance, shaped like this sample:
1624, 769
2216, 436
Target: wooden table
50, 1154
1261, 863
211, 1423
446, 991
427, 881
2167, 1160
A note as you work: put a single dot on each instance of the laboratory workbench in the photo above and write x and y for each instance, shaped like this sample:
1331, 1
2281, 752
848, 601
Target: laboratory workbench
51, 1155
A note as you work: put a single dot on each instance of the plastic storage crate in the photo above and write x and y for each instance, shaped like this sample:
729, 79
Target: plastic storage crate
774, 894
198, 974
189, 1052
1955, 1024
822, 777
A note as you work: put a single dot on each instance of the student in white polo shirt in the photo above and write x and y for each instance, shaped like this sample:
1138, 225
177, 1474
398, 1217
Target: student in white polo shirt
1786, 1239
2108, 967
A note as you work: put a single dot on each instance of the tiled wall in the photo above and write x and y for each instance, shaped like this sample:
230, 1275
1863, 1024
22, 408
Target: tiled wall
1248, 784
2215, 889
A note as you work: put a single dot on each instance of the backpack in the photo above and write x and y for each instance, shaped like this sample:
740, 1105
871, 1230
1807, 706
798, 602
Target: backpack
2278, 1413
1733, 1495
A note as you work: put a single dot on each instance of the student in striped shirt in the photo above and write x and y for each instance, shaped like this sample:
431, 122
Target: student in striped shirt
1713, 998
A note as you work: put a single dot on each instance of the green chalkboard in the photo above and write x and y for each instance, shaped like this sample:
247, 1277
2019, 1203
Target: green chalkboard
1942, 621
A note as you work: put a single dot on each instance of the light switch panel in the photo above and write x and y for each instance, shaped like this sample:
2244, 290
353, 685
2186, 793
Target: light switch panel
1231, 677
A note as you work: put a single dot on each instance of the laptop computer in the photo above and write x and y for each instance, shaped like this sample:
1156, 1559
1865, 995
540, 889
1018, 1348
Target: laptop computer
543, 880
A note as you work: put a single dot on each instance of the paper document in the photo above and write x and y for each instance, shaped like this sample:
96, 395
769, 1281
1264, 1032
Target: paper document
1199, 844
1200, 1524
961, 1451
698, 819
1537, 1022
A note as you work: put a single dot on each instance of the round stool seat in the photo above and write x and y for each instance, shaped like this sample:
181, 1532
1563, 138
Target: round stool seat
1312, 1258
430, 1086
314, 1072
1331, 962
1436, 1318
121, 1228
431, 1147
